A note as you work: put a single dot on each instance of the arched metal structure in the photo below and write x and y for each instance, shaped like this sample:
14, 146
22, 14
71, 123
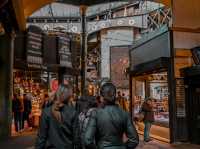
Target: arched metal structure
24, 8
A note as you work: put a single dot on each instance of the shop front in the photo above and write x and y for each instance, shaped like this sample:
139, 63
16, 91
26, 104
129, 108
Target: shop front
41, 62
150, 78
192, 83
165, 67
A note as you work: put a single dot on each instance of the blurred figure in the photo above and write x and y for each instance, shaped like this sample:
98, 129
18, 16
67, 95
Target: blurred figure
99, 102
147, 109
46, 101
118, 99
124, 102
27, 110
18, 115
109, 124
85, 116
59, 123
73, 100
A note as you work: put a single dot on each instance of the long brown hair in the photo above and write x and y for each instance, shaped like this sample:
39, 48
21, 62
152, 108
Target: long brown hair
62, 94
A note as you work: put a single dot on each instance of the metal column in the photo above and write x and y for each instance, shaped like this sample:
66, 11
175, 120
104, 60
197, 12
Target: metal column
83, 9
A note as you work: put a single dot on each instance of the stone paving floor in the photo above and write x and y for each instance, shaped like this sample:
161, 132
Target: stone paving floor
26, 141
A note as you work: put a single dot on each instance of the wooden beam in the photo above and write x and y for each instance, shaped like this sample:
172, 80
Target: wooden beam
183, 29
19, 13
183, 53
30, 7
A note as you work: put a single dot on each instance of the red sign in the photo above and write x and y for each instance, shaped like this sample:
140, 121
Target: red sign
54, 85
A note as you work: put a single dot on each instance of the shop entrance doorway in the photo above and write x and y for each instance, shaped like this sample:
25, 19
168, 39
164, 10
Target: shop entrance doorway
193, 102
154, 86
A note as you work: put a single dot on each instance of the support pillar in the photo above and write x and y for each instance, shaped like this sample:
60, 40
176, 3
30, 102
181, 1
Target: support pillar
61, 73
83, 9
147, 88
6, 79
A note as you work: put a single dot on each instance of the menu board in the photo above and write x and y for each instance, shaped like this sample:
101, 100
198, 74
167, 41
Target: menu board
64, 51
180, 97
34, 47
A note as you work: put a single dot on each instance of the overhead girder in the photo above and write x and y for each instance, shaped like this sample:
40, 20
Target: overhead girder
24, 8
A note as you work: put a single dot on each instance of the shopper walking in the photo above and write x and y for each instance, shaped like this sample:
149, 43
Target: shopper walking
17, 113
84, 117
147, 109
109, 125
27, 103
59, 123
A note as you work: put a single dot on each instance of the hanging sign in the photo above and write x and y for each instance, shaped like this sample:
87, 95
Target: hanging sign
64, 52
34, 47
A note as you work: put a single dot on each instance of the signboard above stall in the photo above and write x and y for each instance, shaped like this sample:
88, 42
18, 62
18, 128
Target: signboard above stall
34, 55
150, 48
49, 50
64, 54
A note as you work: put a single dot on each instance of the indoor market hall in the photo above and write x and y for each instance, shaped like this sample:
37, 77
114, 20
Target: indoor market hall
99, 74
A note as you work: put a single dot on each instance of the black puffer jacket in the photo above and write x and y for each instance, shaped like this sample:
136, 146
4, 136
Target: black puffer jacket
108, 126
55, 135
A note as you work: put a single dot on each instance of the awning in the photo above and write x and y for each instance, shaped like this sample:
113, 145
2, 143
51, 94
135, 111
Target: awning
158, 65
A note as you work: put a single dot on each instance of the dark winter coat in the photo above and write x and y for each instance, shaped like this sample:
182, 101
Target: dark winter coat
148, 112
84, 118
58, 135
27, 105
16, 105
108, 126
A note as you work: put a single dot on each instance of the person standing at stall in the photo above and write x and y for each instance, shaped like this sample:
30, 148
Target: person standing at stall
17, 114
27, 110
46, 101
147, 109
109, 124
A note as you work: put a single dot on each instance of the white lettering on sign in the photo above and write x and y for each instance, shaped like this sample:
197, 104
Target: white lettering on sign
139, 21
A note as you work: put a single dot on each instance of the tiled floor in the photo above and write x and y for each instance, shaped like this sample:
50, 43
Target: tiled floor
27, 140
161, 145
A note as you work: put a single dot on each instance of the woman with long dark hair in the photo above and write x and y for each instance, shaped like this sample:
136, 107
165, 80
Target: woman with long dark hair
59, 123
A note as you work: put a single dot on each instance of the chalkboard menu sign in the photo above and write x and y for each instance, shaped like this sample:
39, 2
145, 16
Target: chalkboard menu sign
64, 51
180, 97
34, 47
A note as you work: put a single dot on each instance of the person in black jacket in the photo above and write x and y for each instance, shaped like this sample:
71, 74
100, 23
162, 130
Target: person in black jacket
17, 114
59, 123
108, 125
27, 109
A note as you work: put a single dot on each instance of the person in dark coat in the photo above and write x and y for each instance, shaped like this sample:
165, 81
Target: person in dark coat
46, 102
109, 124
85, 116
27, 110
59, 123
17, 114
147, 109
